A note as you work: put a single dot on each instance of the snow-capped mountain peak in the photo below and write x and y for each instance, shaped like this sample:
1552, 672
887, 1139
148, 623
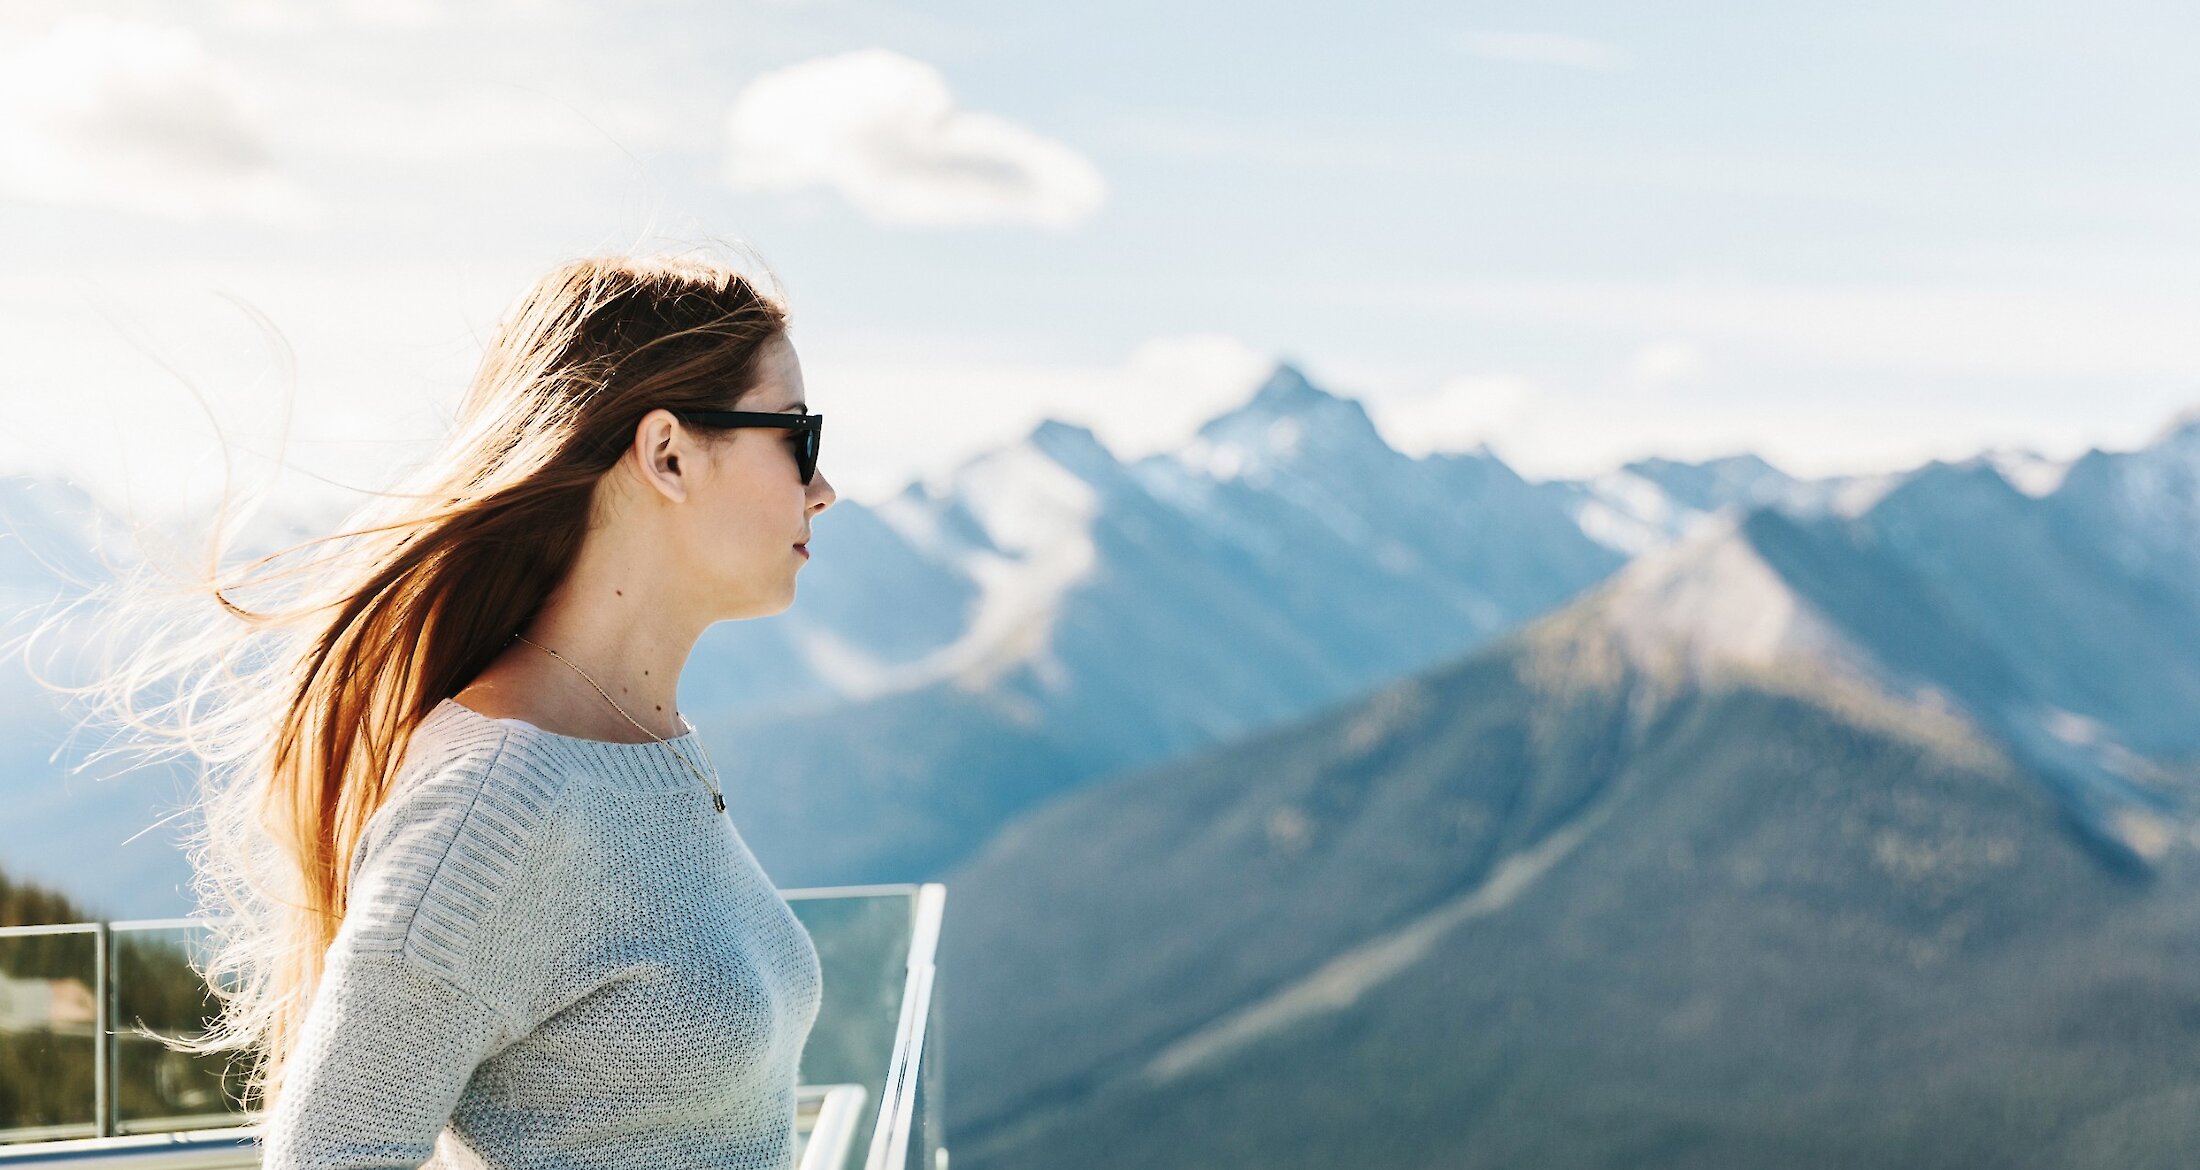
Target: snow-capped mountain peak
2028, 471
1286, 423
2183, 429
2149, 498
1077, 450
1013, 499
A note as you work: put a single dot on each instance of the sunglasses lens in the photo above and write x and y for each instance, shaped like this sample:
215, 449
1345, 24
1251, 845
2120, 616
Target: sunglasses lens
809, 453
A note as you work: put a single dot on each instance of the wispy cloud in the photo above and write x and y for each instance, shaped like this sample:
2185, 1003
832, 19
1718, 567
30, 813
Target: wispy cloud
1967, 329
277, 15
135, 117
891, 397
1664, 363
1457, 415
1542, 49
884, 131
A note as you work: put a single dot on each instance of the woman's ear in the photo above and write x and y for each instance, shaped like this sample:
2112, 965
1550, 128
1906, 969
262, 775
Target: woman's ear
654, 440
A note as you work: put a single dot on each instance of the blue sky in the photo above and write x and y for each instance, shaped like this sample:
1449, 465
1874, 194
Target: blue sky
1846, 237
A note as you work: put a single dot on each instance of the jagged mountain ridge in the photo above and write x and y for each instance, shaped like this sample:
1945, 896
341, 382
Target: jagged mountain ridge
1286, 558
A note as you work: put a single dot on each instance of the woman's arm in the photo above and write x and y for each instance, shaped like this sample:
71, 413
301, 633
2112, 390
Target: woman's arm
385, 1051
432, 972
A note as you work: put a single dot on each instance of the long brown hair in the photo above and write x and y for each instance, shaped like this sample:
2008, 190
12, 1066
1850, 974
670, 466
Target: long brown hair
300, 707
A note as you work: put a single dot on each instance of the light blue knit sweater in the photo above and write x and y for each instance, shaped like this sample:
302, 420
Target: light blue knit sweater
557, 954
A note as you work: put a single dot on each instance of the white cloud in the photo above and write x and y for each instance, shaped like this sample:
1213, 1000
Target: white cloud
1542, 49
1553, 428
135, 117
1456, 416
901, 413
1908, 329
1570, 434
447, 125
1170, 386
1661, 364
884, 131
292, 15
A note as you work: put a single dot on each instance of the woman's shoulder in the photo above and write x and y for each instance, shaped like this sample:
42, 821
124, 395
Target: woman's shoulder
470, 815
473, 770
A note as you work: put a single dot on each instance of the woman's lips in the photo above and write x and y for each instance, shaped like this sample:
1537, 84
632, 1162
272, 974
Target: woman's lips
803, 549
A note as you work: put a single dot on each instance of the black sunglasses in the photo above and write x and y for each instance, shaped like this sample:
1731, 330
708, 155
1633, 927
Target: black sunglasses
807, 427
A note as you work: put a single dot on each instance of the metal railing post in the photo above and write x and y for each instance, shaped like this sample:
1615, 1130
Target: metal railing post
103, 1030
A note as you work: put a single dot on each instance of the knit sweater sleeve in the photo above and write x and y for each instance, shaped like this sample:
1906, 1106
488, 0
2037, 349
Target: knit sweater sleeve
428, 975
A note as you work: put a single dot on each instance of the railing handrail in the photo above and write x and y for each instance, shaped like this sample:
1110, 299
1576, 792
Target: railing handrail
795, 894
193, 1149
837, 1107
165, 923
871, 890
49, 928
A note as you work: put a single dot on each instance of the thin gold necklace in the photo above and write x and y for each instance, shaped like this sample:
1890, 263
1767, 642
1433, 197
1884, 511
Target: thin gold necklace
716, 797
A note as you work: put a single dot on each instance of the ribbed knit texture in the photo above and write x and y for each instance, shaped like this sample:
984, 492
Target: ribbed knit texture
557, 953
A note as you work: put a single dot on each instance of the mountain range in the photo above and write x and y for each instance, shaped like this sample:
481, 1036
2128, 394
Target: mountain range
1843, 827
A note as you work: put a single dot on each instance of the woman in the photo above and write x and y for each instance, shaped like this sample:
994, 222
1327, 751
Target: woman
486, 905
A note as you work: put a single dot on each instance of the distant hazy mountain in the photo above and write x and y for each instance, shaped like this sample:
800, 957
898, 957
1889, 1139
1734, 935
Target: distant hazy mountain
1808, 840
1653, 502
2069, 622
1122, 614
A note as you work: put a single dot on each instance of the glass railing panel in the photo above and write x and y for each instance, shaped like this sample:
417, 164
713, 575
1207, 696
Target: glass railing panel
157, 990
49, 1007
862, 938
56, 1084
